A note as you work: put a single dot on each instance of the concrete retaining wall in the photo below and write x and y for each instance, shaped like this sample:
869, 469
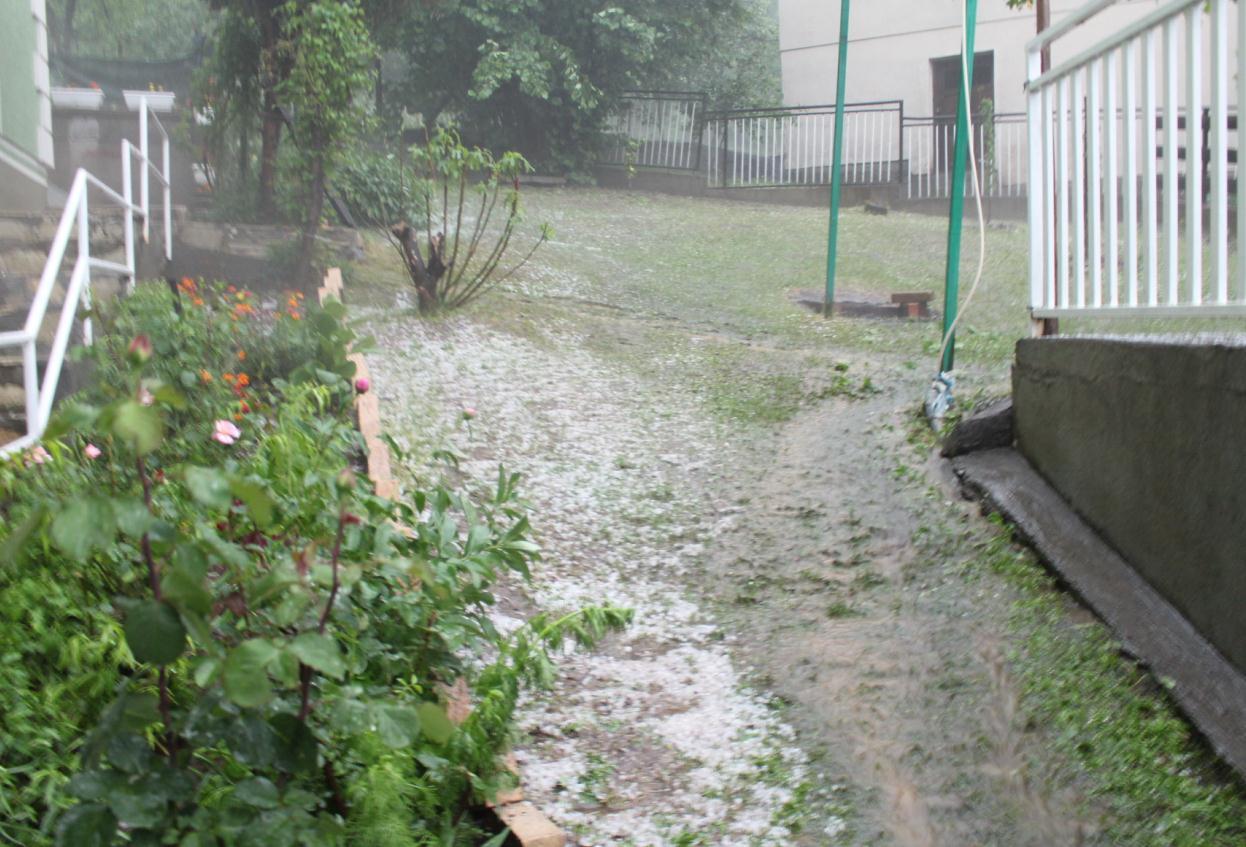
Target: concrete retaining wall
1144, 438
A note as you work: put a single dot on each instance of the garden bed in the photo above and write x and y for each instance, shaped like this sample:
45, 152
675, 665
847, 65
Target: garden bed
212, 629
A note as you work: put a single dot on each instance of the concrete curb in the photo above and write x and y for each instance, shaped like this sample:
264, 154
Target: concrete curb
527, 823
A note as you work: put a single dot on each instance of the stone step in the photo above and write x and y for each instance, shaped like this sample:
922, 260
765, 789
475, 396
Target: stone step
12, 402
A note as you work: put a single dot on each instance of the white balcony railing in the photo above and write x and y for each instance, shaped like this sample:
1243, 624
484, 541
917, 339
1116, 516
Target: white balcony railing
40, 388
1132, 143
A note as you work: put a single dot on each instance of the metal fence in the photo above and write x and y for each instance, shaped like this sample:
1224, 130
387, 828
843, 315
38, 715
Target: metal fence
999, 144
768, 148
1118, 195
657, 129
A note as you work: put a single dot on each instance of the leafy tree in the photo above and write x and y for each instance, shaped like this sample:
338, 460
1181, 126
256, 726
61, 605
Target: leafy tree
327, 52
736, 64
128, 29
541, 76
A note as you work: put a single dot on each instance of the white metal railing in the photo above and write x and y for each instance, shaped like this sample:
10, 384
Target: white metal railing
999, 143
76, 222
770, 148
657, 129
1122, 175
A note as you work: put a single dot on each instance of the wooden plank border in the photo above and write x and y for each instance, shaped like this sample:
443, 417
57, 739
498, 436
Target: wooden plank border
527, 823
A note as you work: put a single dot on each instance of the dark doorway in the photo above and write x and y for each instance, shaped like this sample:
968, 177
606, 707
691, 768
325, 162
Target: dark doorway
945, 73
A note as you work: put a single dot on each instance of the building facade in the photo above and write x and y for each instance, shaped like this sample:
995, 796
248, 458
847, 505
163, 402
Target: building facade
908, 51
26, 150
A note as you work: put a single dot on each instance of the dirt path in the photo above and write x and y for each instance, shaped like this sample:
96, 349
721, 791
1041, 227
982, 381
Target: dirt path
808, 665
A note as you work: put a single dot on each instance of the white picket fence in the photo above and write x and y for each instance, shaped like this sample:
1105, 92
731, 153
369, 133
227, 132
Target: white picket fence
1124, 174
75, 223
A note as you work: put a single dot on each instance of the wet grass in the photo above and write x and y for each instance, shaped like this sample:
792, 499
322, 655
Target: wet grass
705, 287
1155, 782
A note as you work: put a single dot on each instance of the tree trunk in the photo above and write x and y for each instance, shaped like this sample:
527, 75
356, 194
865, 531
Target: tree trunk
270, 129
423, 276
244, 152
311, 224
270, 137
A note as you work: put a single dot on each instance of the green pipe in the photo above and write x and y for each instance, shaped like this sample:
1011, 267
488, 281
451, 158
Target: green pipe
837, 158
956, 218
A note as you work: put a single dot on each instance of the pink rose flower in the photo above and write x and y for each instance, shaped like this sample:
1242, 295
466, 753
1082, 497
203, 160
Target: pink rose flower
469, 414
225, 432
362, 385
145, 397
37, 456
92, 452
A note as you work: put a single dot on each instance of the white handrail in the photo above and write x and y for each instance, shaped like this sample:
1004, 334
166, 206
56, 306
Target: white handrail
76, 221
1131, 264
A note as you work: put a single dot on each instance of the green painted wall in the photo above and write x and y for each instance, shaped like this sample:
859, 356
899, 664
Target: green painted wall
19, 100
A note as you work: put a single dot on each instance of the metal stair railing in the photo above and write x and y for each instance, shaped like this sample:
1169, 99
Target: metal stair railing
76, 222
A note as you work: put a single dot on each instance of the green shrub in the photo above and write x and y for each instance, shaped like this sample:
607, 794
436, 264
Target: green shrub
215, 634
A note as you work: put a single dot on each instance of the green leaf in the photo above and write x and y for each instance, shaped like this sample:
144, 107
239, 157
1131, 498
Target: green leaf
190, 559
209, 486
255, 498
71, 417
137, 807
498, 840
320, 652
155, 633
205, 672
252, 740
14, 546
397, 726
258, 792
296, 745
84, 526
169, 396
94, 785
138, 426
435, 723
186, 591
129, 752
197, 626
133, 519
246, 675
86, 825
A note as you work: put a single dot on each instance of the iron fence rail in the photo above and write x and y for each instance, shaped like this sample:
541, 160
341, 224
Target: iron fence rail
770, 148
999, 145
657, 129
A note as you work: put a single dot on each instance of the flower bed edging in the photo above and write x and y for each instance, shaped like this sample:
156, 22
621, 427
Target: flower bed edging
527, 823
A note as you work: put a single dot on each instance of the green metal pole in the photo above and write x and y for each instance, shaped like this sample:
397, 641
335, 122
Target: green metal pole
837, 158
957, 215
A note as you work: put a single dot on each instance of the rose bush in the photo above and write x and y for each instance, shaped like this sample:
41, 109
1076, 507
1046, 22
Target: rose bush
214, 633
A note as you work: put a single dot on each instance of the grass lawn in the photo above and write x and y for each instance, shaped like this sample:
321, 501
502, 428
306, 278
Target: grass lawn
807, 436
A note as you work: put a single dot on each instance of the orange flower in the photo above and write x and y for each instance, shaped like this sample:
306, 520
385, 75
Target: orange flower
242, 355
205, 376
198, 301
244, 380
228, 377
